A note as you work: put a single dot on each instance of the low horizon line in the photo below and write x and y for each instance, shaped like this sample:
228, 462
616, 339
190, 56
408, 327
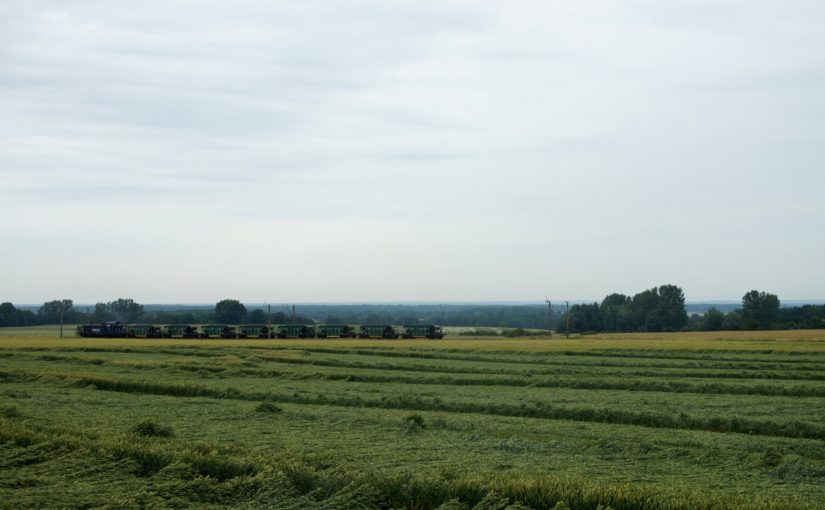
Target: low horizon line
427, 302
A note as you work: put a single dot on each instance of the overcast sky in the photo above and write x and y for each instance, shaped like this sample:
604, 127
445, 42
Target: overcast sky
188, 151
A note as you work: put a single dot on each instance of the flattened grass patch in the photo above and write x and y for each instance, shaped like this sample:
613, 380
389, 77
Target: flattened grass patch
151, 428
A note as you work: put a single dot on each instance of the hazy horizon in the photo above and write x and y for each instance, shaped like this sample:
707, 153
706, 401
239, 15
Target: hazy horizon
556, 303
388, 152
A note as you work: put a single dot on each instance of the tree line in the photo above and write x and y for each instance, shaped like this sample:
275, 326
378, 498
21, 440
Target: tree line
657, 309
663, 309
231, 311
227, 311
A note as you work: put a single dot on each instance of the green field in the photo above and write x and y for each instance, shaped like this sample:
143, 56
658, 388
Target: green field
674, 421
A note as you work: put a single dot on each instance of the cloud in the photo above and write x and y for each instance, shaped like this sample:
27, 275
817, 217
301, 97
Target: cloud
410, 151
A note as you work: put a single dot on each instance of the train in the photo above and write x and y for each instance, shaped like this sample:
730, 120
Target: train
388, 331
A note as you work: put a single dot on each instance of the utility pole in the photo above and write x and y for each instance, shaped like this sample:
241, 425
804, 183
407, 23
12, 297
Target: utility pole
567, 315
293, 314
269, 321
62, 310
549, 317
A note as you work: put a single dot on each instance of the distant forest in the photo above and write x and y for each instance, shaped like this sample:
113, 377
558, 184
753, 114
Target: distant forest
663, 309
660, 308
233, 312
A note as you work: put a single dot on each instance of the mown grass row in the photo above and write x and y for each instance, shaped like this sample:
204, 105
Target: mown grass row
550, 492
793, 376
791, 429
529, 381
741, 355
663, 382
552, 358
632, 372
751, 372
700, 354
292, 483
207, 349
624, 384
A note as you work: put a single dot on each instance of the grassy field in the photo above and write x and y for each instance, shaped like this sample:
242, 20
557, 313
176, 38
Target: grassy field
671, 421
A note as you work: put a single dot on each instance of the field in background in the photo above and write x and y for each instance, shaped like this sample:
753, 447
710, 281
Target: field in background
670, 421
39, 331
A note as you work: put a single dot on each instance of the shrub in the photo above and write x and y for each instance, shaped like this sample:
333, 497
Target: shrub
480, 332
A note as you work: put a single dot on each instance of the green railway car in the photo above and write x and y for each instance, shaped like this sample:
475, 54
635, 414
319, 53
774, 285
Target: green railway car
180, 331
377, 331
423, 331
256, 331
145, 331
333, 331
296, 331
218, 331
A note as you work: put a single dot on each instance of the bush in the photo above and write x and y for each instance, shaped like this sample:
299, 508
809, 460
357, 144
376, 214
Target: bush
151, 428
480, 332
521, 332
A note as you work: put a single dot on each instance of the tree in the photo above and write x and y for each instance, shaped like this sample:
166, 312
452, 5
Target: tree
803, 317
713, 320
101, 313
732, 321
8, 315
583, 318
616, 313
616, 299
659, 309
408, 319
696, 322
186, 318
671, 308
644, 310
55, 312
230, 311
257, 316
374, 318
334, 320
760, 310
125, 310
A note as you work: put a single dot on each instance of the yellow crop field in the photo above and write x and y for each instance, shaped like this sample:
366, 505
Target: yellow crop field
780, 341
677, 421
